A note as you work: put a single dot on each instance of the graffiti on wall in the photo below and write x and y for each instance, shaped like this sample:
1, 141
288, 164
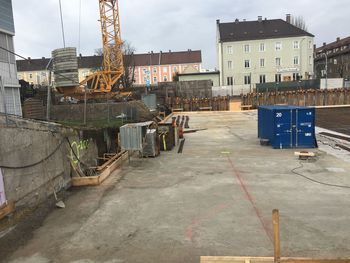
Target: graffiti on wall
78, 147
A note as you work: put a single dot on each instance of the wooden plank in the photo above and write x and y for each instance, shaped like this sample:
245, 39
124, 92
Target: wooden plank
85, 181
276, 235
7, 209
316, 261
228, 259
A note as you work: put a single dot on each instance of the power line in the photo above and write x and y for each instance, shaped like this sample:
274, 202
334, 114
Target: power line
79, 35
30, 61
62, 26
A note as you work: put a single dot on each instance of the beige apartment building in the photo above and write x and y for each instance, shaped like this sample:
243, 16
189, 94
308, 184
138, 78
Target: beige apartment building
148, 67
251, 52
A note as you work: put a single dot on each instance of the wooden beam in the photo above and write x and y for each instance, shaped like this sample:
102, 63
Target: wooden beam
276, 235
315, 261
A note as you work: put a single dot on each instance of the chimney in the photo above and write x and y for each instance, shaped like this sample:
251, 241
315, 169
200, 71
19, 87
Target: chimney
237, 21
169, 51
244, 20
288, 18
152, 52
260, 18
338, 39
42, 57
324, 43
217, 21
314, 46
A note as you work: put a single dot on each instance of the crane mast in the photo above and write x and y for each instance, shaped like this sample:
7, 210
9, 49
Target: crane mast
112, 69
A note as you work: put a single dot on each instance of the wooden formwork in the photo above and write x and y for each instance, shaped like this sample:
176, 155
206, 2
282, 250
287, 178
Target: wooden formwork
104, 171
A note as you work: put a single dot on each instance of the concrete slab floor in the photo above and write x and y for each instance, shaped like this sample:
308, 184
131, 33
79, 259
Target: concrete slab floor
215, 198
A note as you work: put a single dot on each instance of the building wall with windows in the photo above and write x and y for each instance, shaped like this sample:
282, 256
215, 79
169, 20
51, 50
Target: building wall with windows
338, 59
152, 67
9, 87
266, 58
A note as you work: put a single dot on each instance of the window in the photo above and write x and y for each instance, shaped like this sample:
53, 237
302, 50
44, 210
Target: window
310, 60
30, 75
247, 80
278, 77
155, 79
262, 78
296, 60
278, 61
165, 69
262, 47
262, 62
247, 63
229, 81
154, 70
310, 44
247, 48
335, 62
165, 78
229, 64
296, 76
278, 46
144, 71
229, 50
296, 44
175, 69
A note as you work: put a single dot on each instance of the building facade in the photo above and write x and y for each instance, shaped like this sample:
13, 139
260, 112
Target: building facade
251, 52
9, 87
148, 67
337, 55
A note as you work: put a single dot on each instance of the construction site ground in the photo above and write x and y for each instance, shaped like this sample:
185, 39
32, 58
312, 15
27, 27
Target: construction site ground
213, 199
336, 119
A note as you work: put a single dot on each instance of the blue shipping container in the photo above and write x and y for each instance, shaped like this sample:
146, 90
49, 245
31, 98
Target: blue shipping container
287, 126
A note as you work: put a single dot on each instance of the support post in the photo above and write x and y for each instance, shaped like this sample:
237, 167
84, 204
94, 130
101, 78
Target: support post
276, 235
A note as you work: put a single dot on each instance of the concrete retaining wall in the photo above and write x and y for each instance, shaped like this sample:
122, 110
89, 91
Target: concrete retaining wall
24, 142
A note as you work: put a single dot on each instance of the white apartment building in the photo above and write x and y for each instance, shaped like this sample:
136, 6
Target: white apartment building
251, 52
10, 101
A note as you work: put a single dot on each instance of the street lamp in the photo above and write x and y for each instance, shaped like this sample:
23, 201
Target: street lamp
326, 68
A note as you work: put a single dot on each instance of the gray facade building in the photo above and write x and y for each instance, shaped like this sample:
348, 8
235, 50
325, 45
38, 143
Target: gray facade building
9, 87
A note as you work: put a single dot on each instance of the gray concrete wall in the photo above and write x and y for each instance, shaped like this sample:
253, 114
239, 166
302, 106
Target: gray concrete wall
97, 111
27, 142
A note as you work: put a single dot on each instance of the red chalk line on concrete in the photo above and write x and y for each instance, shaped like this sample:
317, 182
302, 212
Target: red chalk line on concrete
251, 200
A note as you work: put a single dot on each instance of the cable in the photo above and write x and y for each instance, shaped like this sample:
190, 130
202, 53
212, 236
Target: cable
17, 55
34, 164
62, 26
315, 181
79, 35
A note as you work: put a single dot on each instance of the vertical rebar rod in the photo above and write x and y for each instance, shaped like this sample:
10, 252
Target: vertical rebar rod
276, 235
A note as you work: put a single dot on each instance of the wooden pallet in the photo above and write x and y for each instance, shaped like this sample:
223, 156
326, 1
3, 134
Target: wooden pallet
104, 170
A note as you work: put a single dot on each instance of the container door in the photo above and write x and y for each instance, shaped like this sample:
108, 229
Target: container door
305, 128
283, 128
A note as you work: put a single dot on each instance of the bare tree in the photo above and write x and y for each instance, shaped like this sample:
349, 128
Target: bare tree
299, 21
128, 78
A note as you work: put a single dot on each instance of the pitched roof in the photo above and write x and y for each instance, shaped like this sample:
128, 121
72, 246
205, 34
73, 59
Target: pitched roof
333, 45
253, 30
145, 59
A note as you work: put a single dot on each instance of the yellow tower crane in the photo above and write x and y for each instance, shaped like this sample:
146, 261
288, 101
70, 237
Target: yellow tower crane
104, 80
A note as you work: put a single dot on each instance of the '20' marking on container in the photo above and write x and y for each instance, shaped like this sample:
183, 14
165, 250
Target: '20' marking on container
279, 115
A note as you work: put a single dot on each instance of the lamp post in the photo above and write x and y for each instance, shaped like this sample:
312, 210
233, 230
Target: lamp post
326, 68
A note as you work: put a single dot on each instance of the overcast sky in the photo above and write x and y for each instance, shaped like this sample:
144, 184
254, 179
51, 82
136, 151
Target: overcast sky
164, 25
